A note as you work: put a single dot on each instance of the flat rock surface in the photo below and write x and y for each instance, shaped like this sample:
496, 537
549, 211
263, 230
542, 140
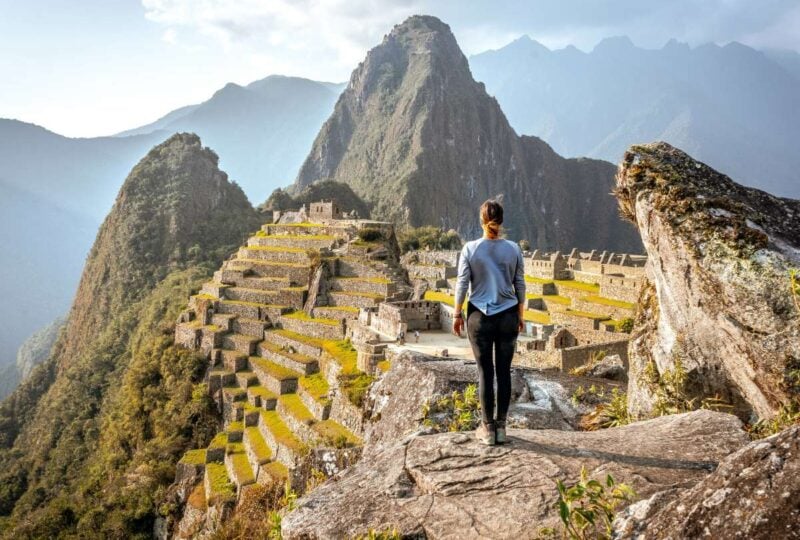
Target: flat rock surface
449, 486
753, 494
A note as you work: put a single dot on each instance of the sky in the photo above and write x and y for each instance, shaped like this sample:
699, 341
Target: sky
87, 68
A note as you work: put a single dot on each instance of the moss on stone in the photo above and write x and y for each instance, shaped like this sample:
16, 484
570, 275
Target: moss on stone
595, 299
384, 366
219, 441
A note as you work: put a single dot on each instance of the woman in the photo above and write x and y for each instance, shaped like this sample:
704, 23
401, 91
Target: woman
494, 271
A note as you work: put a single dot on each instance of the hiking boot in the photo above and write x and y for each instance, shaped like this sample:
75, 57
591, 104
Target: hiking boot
500, 432
485, 434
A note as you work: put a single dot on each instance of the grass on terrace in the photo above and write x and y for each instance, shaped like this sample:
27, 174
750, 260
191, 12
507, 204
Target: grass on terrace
281, 432
316, 386
194, 457
274, 370
220, 440
436, 296
241, 467
554, 298
380, 280
536, 316
276, 470
594, 299
277, 249
257, 444
587, 314
301, 315
261, 392
336, 434
568, 283
295, 406
297, 357
221, 486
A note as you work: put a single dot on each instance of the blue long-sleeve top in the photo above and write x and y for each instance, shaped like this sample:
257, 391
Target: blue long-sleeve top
494, 272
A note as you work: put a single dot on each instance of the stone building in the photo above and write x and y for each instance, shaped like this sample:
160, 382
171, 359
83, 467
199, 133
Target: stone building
322, 210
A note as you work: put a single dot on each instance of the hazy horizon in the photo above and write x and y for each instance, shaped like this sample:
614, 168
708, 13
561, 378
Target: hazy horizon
102, 66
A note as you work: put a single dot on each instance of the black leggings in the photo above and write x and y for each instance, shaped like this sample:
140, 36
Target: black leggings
496, 334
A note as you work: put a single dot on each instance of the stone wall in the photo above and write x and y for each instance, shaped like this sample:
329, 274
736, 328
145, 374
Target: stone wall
621, 288
578, 356
432, 257
547, 265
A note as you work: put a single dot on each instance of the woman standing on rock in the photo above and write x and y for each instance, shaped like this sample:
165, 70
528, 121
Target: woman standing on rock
493, 270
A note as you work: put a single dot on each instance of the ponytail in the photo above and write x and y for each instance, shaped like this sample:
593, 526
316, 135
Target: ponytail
491, 218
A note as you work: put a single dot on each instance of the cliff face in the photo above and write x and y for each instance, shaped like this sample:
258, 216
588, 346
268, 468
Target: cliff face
424, 144
175, 198
719, 301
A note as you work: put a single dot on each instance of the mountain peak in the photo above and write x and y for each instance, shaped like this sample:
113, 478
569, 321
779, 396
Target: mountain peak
614, 44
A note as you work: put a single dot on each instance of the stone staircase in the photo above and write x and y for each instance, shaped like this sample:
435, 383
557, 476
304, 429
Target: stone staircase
280, 375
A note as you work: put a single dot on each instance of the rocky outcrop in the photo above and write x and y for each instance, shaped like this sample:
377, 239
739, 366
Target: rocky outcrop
753, 494
449, 486
719, 301
422, 142
396, 401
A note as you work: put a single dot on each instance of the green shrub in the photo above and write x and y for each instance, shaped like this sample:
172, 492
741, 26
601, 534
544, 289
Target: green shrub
614, 413
370, 235
787, 416
428, 238
587, 509
459, 411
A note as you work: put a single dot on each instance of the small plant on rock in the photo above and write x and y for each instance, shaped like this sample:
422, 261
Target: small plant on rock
788, 415
587, 509
459, 411
611, 414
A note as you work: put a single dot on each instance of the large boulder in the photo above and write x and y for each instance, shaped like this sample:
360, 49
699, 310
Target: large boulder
396, 401
448, 485
753, 494
718, 300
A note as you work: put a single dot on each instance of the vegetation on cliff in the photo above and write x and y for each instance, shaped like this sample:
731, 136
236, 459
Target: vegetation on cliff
90, 441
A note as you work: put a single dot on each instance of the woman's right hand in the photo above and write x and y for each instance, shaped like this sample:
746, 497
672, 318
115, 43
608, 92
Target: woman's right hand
458, 325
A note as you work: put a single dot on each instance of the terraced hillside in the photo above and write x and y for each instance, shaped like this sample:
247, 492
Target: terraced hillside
273, 322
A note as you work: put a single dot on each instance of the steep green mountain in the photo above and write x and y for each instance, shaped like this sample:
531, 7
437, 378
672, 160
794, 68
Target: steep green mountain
90, 439
735, 108
418, 139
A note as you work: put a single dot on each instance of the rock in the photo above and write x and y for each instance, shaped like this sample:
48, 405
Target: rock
610, 367
415, 378
718, 299
753, 494
448, 485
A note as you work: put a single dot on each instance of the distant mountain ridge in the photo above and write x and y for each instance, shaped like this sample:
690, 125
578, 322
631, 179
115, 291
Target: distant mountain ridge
733, 107
417, 138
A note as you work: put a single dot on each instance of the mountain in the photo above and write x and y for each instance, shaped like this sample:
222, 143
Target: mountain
88, 438
732, 107
55, 190
421, 142
261, 131
787, 59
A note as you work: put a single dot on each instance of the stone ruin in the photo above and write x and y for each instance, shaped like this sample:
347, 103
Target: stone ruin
287, 356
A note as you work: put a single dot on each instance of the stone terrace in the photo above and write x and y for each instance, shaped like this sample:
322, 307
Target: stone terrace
274, 323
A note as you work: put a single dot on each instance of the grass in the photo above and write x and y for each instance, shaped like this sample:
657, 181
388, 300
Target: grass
301, 236
253, 304
301, 315
277, 249
221, 487
359, 294
235, 426
336, 434
540, 281
316, 386
436, 296
194, 457
384, 366
261, 392
579, 285
378, 280
554, 298
297, 357
264, 262
594, 299
204, 296
536, 316
241, 468
274, 370
301, 224
220, 440
295, 407
587, 314
276, 470
283, 435
348, 309
234, 391
257, 444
